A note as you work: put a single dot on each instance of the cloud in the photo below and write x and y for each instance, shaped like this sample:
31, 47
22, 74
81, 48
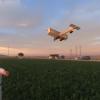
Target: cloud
9, 3
15, 15
96, 41
80, 12
19, 19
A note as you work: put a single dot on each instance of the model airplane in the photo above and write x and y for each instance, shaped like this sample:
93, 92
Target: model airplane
64, 34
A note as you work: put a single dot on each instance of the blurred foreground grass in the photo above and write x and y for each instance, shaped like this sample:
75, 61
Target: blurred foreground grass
32, 79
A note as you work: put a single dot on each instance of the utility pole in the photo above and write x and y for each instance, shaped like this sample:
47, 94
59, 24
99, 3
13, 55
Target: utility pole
8, 50
80, 48
76, 51
70, 53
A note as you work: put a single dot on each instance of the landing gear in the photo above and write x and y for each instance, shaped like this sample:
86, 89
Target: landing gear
62, 38
55, 38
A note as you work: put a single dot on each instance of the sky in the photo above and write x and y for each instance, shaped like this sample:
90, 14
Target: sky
24, 24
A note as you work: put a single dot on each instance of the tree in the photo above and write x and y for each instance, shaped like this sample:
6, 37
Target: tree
20, 55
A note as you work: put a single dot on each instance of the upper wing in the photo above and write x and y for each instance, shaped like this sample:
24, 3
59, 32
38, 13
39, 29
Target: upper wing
70, 29
53, 32
66, 31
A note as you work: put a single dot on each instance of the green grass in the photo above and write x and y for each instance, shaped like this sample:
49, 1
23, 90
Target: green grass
51, 80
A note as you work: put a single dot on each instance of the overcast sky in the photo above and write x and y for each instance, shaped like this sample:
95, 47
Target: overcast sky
24, 23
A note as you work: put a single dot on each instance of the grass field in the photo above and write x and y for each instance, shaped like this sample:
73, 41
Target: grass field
51, 80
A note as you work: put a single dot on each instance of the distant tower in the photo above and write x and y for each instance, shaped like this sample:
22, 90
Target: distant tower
76, 51
80, 50
70, 53
8, 50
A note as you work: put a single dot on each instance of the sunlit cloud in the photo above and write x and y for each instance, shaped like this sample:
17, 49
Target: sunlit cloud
97, 39
22, 25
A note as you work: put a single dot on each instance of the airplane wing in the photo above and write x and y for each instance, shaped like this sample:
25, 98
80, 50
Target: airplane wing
74, 26
53, 32
67, 31
71, 29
